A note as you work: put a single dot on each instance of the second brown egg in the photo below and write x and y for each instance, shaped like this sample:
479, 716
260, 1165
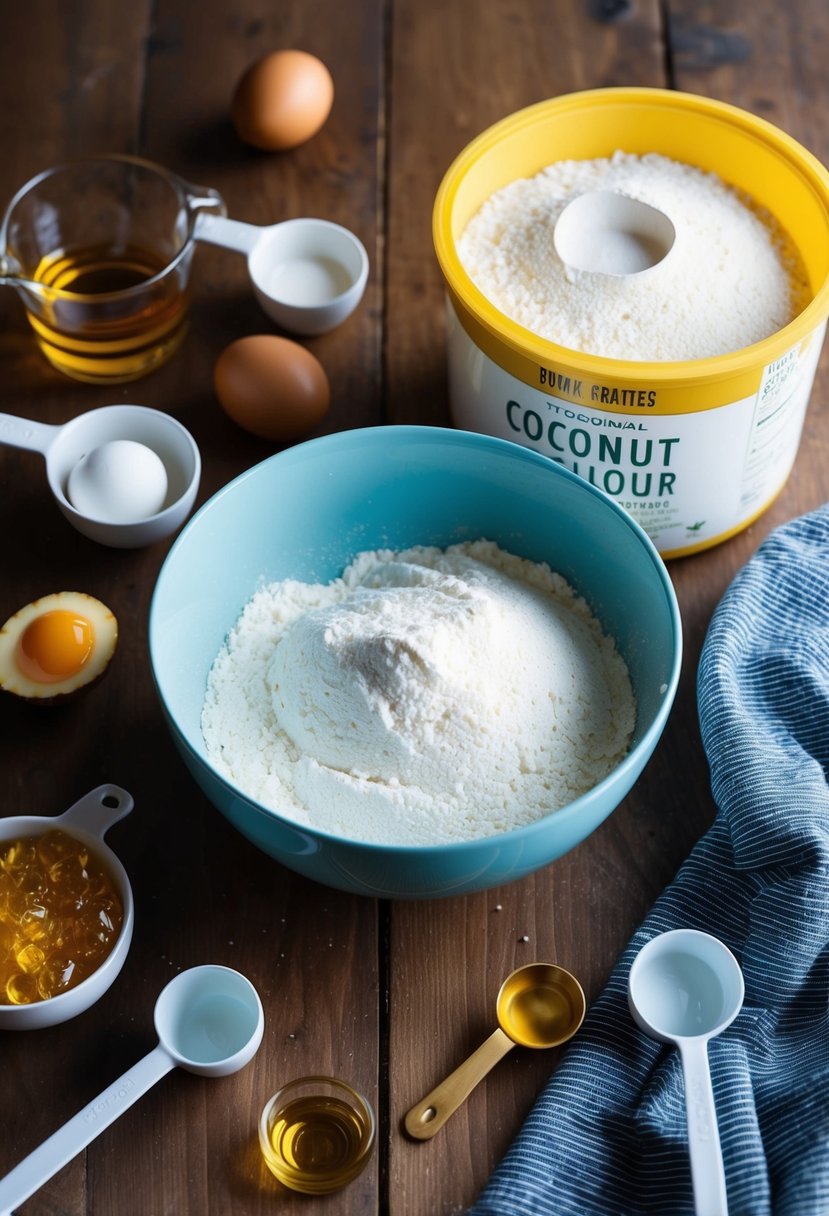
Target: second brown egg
272, 387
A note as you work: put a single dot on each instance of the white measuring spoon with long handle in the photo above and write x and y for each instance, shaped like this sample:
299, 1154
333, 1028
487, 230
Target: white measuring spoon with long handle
685, 987
209, 1021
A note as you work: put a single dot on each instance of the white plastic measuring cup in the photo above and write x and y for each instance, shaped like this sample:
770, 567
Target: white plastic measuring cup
307, 274
87, 821
685, 987
63, 447
604, 232
209, 1020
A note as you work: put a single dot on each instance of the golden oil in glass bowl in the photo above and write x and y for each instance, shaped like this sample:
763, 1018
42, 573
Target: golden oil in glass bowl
316, 1134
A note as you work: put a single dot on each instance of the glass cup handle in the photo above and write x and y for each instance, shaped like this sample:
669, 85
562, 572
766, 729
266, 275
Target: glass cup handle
204, 198
196, 200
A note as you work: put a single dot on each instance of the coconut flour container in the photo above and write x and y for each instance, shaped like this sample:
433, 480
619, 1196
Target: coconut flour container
697, 449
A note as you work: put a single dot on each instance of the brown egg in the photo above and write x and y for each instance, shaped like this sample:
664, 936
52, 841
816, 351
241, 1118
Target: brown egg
282, 100
272, 387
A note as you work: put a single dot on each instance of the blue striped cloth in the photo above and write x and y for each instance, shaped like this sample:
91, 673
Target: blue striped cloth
607, 1137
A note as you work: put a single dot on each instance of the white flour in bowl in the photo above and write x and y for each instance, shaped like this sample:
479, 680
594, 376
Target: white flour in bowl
424, 697
732, 277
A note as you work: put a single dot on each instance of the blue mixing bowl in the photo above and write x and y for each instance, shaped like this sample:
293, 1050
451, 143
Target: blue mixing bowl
306, 512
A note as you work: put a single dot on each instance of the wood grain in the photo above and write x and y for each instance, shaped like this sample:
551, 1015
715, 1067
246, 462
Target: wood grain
469, 945
581, 910
159, 82
389, 996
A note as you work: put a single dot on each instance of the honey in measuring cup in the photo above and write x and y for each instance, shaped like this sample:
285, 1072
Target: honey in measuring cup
102, 320
60, 916
100, 251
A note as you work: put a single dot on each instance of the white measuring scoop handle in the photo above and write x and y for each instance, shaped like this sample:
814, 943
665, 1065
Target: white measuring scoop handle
81, 1129
707, 1169
98, 810
230, 234
23, 433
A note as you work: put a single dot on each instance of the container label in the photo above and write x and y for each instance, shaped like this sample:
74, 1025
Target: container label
687, 479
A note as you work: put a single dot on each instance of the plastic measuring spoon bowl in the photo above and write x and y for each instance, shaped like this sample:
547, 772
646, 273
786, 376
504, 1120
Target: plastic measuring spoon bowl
209, 1021
685, 987
64, 446
603, 232
307, 274
540, 1005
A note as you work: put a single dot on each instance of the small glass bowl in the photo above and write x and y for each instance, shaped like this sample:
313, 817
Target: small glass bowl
316, 1134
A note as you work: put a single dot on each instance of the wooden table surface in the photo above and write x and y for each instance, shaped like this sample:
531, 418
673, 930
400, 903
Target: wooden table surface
390, 996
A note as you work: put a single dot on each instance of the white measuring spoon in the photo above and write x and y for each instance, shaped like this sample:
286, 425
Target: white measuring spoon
603, 232
685, 987
209, 1020
307, 274
63, 446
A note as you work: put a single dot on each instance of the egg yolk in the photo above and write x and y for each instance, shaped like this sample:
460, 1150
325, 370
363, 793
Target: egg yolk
55, 645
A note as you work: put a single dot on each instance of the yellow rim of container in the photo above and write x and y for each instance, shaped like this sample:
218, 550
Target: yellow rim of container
716, 380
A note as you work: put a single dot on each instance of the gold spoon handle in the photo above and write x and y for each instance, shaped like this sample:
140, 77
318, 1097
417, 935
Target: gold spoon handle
430, 1114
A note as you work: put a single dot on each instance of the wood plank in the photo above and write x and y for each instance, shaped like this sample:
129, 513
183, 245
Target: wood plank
334, 176
72, 83
770, 60
202, 892
83, 95
449, 957
456, 72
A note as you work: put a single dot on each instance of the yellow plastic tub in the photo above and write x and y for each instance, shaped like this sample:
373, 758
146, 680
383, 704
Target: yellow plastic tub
694, 450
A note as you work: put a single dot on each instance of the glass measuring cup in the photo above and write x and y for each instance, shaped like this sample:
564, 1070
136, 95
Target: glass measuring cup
99, 250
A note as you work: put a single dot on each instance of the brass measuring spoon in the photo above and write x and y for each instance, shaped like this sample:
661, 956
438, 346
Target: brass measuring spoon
539, 1005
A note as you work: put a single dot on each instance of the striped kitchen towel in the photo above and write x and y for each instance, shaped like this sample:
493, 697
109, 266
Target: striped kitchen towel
607, 1137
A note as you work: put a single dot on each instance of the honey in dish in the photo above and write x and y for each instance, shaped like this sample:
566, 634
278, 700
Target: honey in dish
318, 1143
60, 916
93, 331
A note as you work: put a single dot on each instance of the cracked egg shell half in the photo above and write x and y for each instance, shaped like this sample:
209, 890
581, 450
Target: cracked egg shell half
56, 646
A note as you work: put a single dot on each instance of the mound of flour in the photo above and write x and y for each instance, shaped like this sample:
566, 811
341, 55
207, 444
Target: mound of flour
424, 697
732, 277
